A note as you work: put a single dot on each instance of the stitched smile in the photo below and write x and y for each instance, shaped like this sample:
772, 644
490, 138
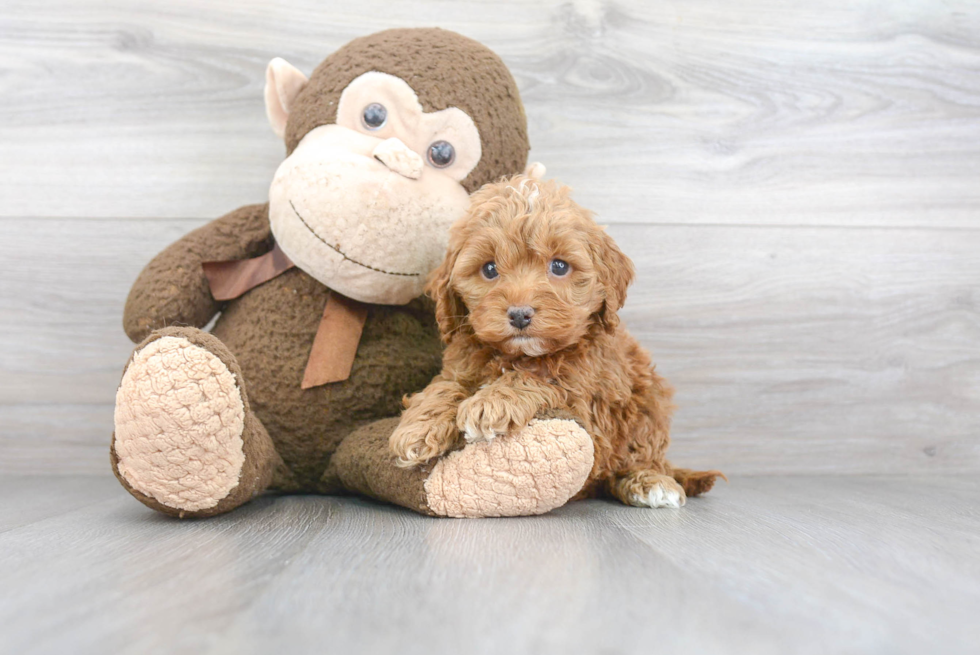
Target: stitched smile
341, 252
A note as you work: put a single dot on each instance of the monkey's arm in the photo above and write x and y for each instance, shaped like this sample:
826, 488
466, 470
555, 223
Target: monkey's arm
172, 289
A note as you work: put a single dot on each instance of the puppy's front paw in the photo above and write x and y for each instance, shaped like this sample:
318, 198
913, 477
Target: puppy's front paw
414, 443
485, 416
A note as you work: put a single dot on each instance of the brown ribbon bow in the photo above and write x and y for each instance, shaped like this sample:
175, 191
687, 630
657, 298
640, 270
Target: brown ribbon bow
335, 345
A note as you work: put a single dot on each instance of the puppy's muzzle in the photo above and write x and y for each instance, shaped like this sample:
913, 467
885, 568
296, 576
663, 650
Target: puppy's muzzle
520, 317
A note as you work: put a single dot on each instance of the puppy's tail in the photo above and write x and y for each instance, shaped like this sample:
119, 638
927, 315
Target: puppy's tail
696, 483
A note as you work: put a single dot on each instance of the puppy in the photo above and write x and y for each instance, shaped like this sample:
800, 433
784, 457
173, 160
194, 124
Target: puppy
527, 303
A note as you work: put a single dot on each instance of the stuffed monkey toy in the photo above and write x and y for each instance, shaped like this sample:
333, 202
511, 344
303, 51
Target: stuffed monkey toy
321, 329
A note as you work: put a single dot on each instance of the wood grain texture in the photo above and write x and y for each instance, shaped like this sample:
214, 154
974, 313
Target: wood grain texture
793, 350
846, 113
763, 565
57, 439
24, 501
814, 349
798, 187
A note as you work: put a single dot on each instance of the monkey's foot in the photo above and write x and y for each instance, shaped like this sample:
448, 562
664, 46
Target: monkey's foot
529, 472
185, 442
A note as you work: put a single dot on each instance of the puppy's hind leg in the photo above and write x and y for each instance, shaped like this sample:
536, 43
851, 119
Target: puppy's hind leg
647, 488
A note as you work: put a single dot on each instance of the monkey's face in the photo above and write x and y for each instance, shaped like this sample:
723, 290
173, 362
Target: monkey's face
385, 141
365, 205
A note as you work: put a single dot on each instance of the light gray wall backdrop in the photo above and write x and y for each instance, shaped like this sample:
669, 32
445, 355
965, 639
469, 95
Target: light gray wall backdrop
797, 182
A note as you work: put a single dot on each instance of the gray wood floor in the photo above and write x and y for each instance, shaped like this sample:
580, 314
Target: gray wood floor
764, 565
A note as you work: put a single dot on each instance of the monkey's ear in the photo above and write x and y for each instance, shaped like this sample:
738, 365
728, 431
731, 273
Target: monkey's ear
283, 82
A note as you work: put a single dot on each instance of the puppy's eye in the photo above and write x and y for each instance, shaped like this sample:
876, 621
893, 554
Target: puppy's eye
375, 115
441, 154
559, 267
489, 270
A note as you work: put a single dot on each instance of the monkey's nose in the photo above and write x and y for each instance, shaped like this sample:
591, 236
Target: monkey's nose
398, 157
520, 317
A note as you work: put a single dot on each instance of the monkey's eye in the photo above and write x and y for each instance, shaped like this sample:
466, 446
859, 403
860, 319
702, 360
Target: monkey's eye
441, 154
375, 115
559, 267
489, 270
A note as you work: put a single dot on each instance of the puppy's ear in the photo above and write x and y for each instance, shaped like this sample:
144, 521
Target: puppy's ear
450, 310
615, 273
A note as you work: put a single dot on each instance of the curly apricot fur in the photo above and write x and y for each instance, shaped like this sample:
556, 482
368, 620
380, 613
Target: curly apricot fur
574, 355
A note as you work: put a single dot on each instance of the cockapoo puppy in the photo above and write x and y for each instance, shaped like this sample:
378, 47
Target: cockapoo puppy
526, 302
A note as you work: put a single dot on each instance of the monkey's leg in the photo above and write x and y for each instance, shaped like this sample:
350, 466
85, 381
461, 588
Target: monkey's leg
185, 441
532, 471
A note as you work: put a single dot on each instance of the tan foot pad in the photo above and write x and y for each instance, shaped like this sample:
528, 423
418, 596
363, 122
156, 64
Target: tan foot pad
179, 421
531, 472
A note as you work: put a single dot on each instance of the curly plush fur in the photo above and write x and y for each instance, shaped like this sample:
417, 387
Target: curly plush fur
571, 354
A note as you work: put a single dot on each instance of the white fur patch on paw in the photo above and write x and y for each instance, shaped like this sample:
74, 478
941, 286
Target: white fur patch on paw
473, 434
661, 494
178, 425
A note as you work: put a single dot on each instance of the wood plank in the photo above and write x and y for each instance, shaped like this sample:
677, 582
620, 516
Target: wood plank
831, 350
138, 569
26, 500
62, 294
548, 584
793, 350
60, 439
860, 554
856, 113
803, 565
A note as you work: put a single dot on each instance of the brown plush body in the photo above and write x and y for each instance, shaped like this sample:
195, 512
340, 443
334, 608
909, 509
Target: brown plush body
204, 422
270, 330
527, 301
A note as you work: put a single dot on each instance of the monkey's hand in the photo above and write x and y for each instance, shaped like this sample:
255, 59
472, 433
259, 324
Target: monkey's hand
172, 289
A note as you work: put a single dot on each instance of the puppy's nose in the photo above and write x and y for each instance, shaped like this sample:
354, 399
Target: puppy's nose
520, 317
